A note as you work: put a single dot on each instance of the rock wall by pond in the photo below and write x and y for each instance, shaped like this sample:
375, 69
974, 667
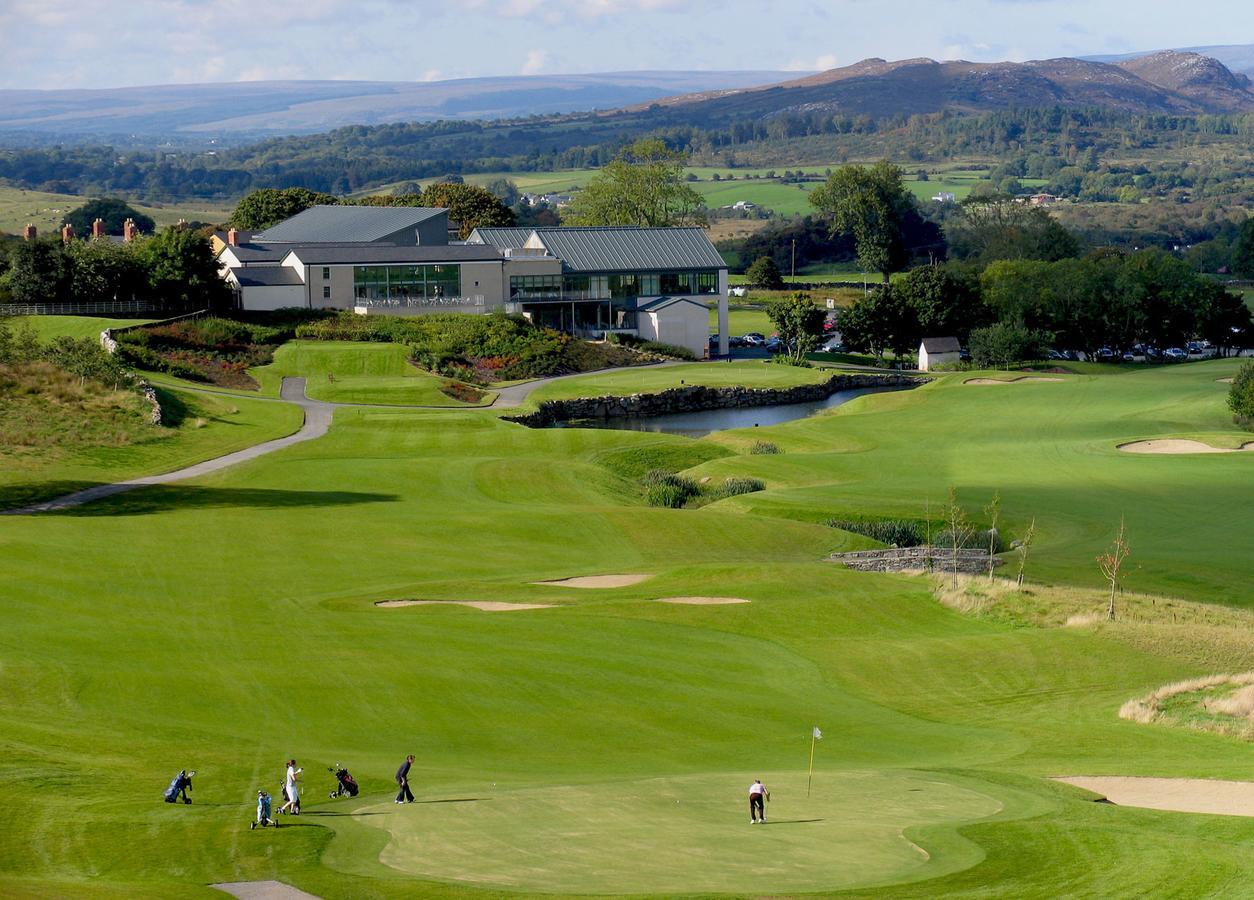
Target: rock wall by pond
698, 398
972, 561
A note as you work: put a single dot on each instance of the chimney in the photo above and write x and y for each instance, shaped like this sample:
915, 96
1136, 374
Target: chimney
129, 231
67, 233
232, 237
97, 229
29, 233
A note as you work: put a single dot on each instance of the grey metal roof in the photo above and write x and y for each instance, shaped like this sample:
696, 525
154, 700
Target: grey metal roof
268, 276
663, 302
252, 253
366, 254
617, 249
942, 345
504, 238
326, 224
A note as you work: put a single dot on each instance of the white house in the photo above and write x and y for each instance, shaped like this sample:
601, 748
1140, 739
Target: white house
935, 352
944, 197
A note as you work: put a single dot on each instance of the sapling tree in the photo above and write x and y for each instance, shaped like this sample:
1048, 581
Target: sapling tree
993, 511
1111, 562
959, 532
1025, 547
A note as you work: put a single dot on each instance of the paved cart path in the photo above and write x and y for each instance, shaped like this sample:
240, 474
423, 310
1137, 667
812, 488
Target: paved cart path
317, 422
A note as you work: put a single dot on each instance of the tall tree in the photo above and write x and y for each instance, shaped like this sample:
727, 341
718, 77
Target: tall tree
799, 323
270, 206
39, 272
1001, 227
872, 204
765, 273
469, 206
182, 271
644, 185
946, 300
1243, 250
103, 270
113, 212
880, 321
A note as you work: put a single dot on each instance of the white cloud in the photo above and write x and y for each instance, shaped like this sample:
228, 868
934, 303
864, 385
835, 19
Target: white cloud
818, 64
536, 61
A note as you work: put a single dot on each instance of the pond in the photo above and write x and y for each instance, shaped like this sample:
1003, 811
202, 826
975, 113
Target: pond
706, 421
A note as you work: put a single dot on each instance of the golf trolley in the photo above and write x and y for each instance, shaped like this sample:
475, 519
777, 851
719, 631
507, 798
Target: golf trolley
344, 783
179, 787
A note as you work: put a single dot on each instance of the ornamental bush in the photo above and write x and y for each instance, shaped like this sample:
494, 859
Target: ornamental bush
1241, 396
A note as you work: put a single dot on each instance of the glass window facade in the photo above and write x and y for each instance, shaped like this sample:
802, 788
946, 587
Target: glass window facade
611, 286
427, 285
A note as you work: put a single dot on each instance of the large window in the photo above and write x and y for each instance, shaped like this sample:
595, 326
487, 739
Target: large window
535, 287
611, 286
428, 285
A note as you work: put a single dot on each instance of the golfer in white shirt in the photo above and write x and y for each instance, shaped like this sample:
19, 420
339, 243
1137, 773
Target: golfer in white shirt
757, 808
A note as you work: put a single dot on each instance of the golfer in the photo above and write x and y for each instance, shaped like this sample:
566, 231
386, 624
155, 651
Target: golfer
291, 790
757, 795
404, 795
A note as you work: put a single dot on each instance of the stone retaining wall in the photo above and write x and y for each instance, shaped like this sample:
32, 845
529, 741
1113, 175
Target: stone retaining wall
972, 561
696, 398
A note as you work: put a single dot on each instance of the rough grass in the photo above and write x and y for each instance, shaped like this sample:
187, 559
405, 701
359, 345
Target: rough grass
49, 327
47, 410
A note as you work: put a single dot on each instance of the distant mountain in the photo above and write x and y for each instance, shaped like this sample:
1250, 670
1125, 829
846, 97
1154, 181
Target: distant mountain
262, 108
1168, 82
1237, 57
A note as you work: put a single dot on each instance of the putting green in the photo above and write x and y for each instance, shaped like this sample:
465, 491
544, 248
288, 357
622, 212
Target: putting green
660, 835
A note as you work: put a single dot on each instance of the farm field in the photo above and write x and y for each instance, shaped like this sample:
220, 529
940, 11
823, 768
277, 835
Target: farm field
604, 742
45, 210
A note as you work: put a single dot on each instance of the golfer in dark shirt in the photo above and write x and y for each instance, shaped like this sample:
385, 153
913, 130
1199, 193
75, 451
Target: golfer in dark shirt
404, 795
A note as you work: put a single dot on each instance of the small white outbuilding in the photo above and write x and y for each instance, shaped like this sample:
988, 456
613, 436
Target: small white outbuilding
935, 352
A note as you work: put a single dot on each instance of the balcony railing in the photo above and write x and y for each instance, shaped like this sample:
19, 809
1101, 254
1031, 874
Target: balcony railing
420, 302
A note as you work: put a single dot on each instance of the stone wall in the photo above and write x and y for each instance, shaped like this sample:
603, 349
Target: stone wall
696, 398
972, 561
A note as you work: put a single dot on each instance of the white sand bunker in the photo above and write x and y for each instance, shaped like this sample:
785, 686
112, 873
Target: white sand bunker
1227, 380
1178, 446
1020, 380
485, 605
597, 581
1193, 795
703, 601
262, 890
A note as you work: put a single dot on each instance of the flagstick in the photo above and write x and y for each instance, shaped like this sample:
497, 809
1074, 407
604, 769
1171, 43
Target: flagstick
810, 777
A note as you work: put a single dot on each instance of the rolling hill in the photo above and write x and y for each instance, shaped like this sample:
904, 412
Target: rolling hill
266, 108
1167, 82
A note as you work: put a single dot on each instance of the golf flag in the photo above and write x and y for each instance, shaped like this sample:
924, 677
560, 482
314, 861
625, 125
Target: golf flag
815, 735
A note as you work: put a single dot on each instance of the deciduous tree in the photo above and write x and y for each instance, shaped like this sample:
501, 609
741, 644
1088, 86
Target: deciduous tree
799, 323
269, 206
113, 212
469, 206
872, 204
765, 273
644, 185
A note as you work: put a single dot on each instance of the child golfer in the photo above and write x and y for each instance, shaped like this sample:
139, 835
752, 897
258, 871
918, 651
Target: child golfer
758, 795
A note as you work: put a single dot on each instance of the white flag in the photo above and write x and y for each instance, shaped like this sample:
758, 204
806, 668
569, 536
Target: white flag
818, 735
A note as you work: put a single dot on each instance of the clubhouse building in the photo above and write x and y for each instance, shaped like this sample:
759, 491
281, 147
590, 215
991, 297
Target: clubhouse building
657, 283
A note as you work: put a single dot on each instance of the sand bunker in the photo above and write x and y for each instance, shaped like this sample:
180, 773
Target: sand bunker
597, 581
262, 890
1194, 795
1227, 380
703, 601
485, 605
1019, 380
1178, 446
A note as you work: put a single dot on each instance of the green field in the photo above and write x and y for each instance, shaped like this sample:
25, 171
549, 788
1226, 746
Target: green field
49, 327
46, 211
355, 373
605, 744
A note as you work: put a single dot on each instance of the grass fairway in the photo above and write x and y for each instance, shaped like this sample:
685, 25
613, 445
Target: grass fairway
346, 372
753, 373
49, 327
228, 623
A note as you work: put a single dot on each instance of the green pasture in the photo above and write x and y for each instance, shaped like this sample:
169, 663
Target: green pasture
606, 744
50, 327
46, 211
346, 372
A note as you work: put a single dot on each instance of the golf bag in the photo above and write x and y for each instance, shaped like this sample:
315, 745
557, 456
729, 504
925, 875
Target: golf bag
181, 784
345, 784
263, 812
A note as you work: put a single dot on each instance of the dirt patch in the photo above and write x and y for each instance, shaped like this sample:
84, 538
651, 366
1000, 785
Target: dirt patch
1020, 380
262, 890
1192, 795
1178, 446
597, 581
703, 601
485, 605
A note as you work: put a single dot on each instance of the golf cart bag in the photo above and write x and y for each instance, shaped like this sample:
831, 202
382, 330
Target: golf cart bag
263, 812
344, 782
181, 784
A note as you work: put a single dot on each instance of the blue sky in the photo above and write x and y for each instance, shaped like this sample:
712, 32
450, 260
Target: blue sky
73, 43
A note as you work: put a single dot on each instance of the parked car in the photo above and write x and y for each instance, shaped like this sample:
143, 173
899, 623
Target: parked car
1193, 347
1105, 354
774, 345
755, 338
736, 341
1175, 354
1071, 355
1129, 356
833, 345
1054, 355
1153, 353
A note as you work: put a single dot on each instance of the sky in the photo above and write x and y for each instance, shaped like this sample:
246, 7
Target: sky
112, 43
